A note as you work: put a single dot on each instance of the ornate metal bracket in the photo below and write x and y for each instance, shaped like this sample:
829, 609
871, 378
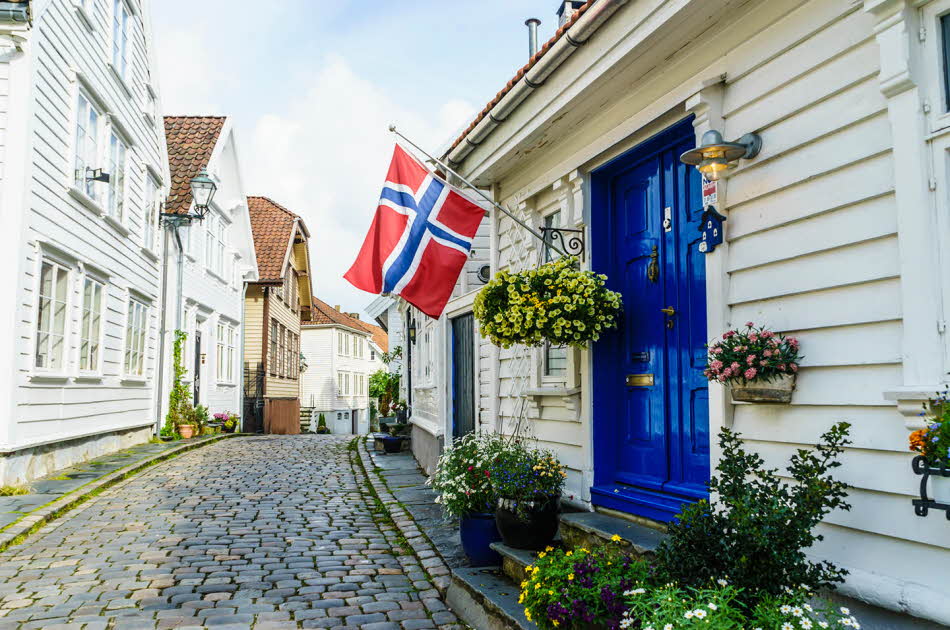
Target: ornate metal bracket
570, 240
924, 503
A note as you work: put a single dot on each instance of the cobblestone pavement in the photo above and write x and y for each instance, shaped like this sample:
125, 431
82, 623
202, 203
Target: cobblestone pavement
263, 532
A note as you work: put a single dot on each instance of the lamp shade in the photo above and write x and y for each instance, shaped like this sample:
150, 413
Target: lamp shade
202, 191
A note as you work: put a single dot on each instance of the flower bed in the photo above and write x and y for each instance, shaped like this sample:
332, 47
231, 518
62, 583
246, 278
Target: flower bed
556, 302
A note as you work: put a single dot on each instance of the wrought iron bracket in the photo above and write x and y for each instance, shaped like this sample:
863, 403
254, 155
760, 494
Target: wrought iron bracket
924, 504
570, 240
176, 220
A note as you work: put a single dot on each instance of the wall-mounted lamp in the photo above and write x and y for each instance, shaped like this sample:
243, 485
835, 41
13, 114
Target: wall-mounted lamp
96, 175
411, 331
714, 156
202, 191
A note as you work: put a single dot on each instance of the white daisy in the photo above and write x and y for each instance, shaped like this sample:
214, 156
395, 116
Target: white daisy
700, 613
823, 624
787, 626
806, 624
722, 582
712, 606
785, 609
797, 611
668, 626
844, 611
688, 614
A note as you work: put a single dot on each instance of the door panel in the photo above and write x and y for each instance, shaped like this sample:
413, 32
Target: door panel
463, 375
651, 440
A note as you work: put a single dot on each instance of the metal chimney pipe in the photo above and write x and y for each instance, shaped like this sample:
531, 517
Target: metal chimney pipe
532, 24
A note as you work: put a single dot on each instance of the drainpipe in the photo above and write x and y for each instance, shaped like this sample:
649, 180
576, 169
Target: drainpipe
240, 402
162, 334
181, 268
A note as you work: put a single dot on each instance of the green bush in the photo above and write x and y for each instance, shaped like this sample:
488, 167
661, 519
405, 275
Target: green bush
758, 527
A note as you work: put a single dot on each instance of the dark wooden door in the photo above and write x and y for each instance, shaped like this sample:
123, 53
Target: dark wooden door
463, 375
197, 368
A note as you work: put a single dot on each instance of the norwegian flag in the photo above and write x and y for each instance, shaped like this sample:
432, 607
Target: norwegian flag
420, 237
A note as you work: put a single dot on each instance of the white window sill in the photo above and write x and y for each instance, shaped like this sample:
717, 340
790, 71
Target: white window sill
214, 274
910, 403
86, 200
48, 377
133, 380
120, 80
151, 254
553, 390
90, 377
84, 16
117, 225
226, 384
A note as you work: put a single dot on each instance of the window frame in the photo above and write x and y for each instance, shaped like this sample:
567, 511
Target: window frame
56, 266
150, 211
85, 330
136, 313
120, 62
116, 201
273, 341
89, 149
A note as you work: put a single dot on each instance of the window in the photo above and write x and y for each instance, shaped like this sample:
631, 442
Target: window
214, 244
339, 384
90, 325
120, 37
51, 317
273, 346
346, 383
221, 351
87, 145
427, 341
118, 155
346, 344
552, 220
232, 353
135, 329
372, 355
945, 33
150, 212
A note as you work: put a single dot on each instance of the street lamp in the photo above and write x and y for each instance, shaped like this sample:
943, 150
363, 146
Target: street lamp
715, 156
202, 191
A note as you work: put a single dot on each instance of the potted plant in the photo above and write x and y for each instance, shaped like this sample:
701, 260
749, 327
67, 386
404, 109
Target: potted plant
322, 424
463, 481
759, 365
558, 302
392, 442
399, 408
932, 445
230, 424
527, 483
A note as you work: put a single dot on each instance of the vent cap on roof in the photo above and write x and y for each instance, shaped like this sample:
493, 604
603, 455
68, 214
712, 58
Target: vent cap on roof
565, 10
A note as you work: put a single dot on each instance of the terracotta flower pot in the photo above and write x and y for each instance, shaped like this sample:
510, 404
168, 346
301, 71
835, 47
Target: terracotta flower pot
777, 390
186, 431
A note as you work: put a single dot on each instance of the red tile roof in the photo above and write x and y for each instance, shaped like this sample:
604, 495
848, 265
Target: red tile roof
191, 140
272, 226
518, 75
322, 314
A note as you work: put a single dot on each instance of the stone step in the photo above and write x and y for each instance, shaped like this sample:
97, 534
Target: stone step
514, 561
589, 529
485, 599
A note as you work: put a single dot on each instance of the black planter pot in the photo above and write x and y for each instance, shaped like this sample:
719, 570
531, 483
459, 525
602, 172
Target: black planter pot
535, 533
401, 417
392, 444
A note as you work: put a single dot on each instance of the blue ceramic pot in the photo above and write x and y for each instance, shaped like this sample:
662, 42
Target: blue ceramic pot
478, 532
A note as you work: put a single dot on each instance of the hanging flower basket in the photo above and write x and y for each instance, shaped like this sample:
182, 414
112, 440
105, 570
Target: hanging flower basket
557, 302
758, 364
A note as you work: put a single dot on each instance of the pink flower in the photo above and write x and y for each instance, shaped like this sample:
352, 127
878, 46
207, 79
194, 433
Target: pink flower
735, 366
728, 334
767, 353
753, 337
750, 374
793, 367
717, 350
727, 373
750, 359
781, 367
716, 365
749, 324
763, 363
766, 334
793, 342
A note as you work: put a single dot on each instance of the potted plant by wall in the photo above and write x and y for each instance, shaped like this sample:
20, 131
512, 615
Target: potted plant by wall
527, 483
322, 428
400, 408
557, 302
759, 365
932, 445
463, 481
392, 442
230, 423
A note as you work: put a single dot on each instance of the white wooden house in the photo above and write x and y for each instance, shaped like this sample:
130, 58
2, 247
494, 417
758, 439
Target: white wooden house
219, 258
837, 232
341, 352
82, 174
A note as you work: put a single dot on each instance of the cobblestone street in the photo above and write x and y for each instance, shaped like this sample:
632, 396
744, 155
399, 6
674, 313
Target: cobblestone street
263, 532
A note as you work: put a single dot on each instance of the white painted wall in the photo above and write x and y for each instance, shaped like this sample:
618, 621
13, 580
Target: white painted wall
210, 298
319, 385
68, 50
831, 234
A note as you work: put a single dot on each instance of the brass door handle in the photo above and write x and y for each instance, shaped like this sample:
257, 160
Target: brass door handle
669, 310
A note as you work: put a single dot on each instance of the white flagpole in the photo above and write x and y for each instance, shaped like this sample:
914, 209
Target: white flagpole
535, 233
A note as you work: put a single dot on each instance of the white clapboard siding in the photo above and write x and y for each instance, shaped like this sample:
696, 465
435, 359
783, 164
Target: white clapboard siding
62, 45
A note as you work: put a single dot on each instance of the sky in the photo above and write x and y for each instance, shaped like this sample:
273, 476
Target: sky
311, 87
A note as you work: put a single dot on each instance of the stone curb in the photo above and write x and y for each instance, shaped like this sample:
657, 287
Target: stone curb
17, 531
427, 553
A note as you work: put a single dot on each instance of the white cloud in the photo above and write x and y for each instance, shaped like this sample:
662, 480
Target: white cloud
189, 78
324, 154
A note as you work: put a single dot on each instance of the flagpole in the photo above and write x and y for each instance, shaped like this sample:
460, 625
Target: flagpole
535, 233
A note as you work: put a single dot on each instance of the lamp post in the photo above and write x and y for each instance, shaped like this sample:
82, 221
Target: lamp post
202, 192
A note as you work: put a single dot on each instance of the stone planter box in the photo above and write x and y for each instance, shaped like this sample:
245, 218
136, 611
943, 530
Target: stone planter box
777, 391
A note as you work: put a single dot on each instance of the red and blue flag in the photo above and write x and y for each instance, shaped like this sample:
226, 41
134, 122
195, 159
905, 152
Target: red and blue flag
420, 238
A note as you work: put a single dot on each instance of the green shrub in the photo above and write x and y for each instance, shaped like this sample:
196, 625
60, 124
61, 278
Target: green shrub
758, 527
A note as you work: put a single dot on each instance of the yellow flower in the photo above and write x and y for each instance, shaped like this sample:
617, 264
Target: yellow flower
615, 538
542, 554
570, 577
556, 623
569, 553
521, 600
527, 614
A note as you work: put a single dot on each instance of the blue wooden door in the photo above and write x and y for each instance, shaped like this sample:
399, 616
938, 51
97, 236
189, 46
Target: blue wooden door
651, 411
